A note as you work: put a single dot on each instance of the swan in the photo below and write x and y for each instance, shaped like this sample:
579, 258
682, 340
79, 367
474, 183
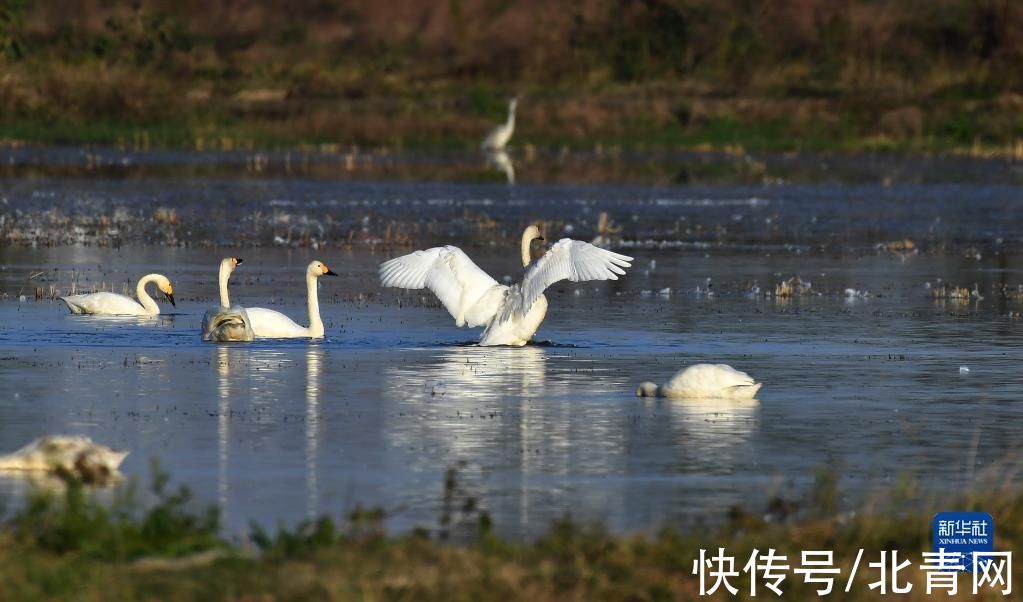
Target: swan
226, 323
112, 304
719, 381
511, 314
270, 324
500, 135
66, 455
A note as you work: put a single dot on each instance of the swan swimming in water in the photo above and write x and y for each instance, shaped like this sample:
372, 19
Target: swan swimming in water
66, 455
719, 381
511, 314
498, 137
270, 324
112, 304
225, 323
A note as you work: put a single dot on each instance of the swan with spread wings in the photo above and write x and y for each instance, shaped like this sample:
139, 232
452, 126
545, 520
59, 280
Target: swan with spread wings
511, 315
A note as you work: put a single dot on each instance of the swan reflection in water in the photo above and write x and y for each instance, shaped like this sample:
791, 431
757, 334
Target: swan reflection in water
499, 160
712, 432
459, 377
461, 400
267, 375
313, 364
462, 404
223, 424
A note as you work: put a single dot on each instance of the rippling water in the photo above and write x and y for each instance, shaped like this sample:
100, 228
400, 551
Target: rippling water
395, 395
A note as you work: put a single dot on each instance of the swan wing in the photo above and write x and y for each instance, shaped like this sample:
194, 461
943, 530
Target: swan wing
110, 304
567, 259
272, 324
448, 272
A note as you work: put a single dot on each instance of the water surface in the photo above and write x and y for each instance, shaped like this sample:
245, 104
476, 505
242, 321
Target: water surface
868, 384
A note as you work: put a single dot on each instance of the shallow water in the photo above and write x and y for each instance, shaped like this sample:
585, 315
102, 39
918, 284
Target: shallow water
395, 395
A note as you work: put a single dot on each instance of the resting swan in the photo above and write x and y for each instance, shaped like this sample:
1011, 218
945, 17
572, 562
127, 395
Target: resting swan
270, 324
719, 381
511, 314
66, 455
112, 304
225, 323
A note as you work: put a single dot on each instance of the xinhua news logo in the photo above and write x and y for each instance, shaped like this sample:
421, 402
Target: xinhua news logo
963, 542
971, 534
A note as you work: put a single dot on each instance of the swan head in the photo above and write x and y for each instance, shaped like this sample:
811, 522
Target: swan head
531, 233
513, 103
318, 268
230, 263
646, 389
165, 287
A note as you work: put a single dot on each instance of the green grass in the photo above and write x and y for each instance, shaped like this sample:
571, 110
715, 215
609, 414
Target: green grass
416, 125
78, 547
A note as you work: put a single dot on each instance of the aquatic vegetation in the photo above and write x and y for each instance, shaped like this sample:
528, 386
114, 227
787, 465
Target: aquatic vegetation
948, 291
793, 287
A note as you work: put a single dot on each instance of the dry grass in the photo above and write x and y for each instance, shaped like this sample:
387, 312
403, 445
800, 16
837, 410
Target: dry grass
924, 75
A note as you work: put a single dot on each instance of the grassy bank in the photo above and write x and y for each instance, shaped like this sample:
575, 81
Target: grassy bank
603, 120
918, 76
72, 547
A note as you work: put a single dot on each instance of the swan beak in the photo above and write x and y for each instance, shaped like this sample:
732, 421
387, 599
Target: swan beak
237, 260
330, 272
170, 297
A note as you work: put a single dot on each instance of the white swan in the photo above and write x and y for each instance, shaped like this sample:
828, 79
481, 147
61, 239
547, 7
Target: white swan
112, 304
511, 314
719, 381
66, 455
226, 323
270, 324
500, 135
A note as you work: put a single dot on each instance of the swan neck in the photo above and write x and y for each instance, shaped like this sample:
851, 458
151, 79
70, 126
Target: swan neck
526, 239
144, 299
315, 323
225, 275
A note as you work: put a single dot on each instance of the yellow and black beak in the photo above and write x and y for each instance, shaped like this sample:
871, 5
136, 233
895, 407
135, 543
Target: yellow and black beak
539, 238
329, 272
170, 297
237, 260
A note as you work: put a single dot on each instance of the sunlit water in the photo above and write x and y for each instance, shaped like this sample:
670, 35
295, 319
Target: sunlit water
395, 395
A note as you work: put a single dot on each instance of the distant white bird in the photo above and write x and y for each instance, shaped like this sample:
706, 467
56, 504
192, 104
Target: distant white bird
270, 324
500, 135
704, 381
112, 304
511, 314
226, 323
66, 455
